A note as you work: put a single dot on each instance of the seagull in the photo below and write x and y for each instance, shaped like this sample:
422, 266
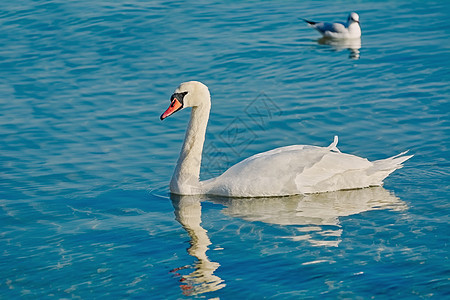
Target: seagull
339, 30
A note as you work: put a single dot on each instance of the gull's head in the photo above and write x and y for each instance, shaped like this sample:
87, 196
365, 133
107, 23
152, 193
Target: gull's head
353, 18
188, 94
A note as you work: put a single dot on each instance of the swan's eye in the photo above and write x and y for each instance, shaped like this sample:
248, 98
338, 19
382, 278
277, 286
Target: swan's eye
178, 96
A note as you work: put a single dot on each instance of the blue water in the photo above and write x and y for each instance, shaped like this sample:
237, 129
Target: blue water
85, 161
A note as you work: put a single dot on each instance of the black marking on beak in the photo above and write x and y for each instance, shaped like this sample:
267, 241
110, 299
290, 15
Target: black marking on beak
179, 97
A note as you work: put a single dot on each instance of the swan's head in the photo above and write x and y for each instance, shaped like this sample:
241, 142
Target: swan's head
353, 18
188, 94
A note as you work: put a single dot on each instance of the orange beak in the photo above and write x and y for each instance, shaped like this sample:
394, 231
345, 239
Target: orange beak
175, 106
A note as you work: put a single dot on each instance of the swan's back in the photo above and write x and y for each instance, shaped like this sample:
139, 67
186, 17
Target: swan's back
300, 169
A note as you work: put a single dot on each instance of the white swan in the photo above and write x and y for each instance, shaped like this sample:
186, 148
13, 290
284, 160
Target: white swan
339, 30
289, 170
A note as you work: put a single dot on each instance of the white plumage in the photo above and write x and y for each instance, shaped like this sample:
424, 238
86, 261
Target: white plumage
291, 170
339, 30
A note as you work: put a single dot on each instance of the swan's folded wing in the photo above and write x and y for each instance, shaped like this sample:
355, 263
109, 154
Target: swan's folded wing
283, 171
335, 171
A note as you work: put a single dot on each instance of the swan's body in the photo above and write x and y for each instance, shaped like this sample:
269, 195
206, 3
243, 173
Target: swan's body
291, 170
339, 30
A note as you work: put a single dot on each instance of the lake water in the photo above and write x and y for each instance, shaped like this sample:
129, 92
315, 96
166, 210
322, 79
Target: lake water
85, 161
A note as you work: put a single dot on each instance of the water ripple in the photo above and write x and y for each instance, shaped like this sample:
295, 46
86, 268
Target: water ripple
85, 160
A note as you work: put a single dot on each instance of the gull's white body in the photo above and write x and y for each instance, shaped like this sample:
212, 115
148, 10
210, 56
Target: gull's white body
339, 30
291, 170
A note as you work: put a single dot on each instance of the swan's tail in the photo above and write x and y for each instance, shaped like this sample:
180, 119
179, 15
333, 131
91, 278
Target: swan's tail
383, 167
392, 163
333, 146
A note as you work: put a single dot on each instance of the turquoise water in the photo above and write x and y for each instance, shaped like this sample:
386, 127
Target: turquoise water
85, 161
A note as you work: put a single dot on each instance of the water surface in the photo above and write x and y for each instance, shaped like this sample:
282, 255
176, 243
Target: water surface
85, 162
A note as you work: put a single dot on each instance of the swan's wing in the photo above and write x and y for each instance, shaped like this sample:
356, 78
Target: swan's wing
265, 174
288, 170
334, 171
340, 171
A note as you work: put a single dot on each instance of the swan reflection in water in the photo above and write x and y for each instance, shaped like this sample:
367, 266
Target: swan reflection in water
188, 212
314, 217
353, 45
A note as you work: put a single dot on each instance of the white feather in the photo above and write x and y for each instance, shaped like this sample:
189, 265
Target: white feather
290, 170
339, 30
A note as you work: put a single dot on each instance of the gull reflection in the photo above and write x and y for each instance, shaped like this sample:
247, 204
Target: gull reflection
353, 45
188, 213
315, 216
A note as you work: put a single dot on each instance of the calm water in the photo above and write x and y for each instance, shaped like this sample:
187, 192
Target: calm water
85, 161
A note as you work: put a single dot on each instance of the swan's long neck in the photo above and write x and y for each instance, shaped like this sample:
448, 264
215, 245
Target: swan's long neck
185, 179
